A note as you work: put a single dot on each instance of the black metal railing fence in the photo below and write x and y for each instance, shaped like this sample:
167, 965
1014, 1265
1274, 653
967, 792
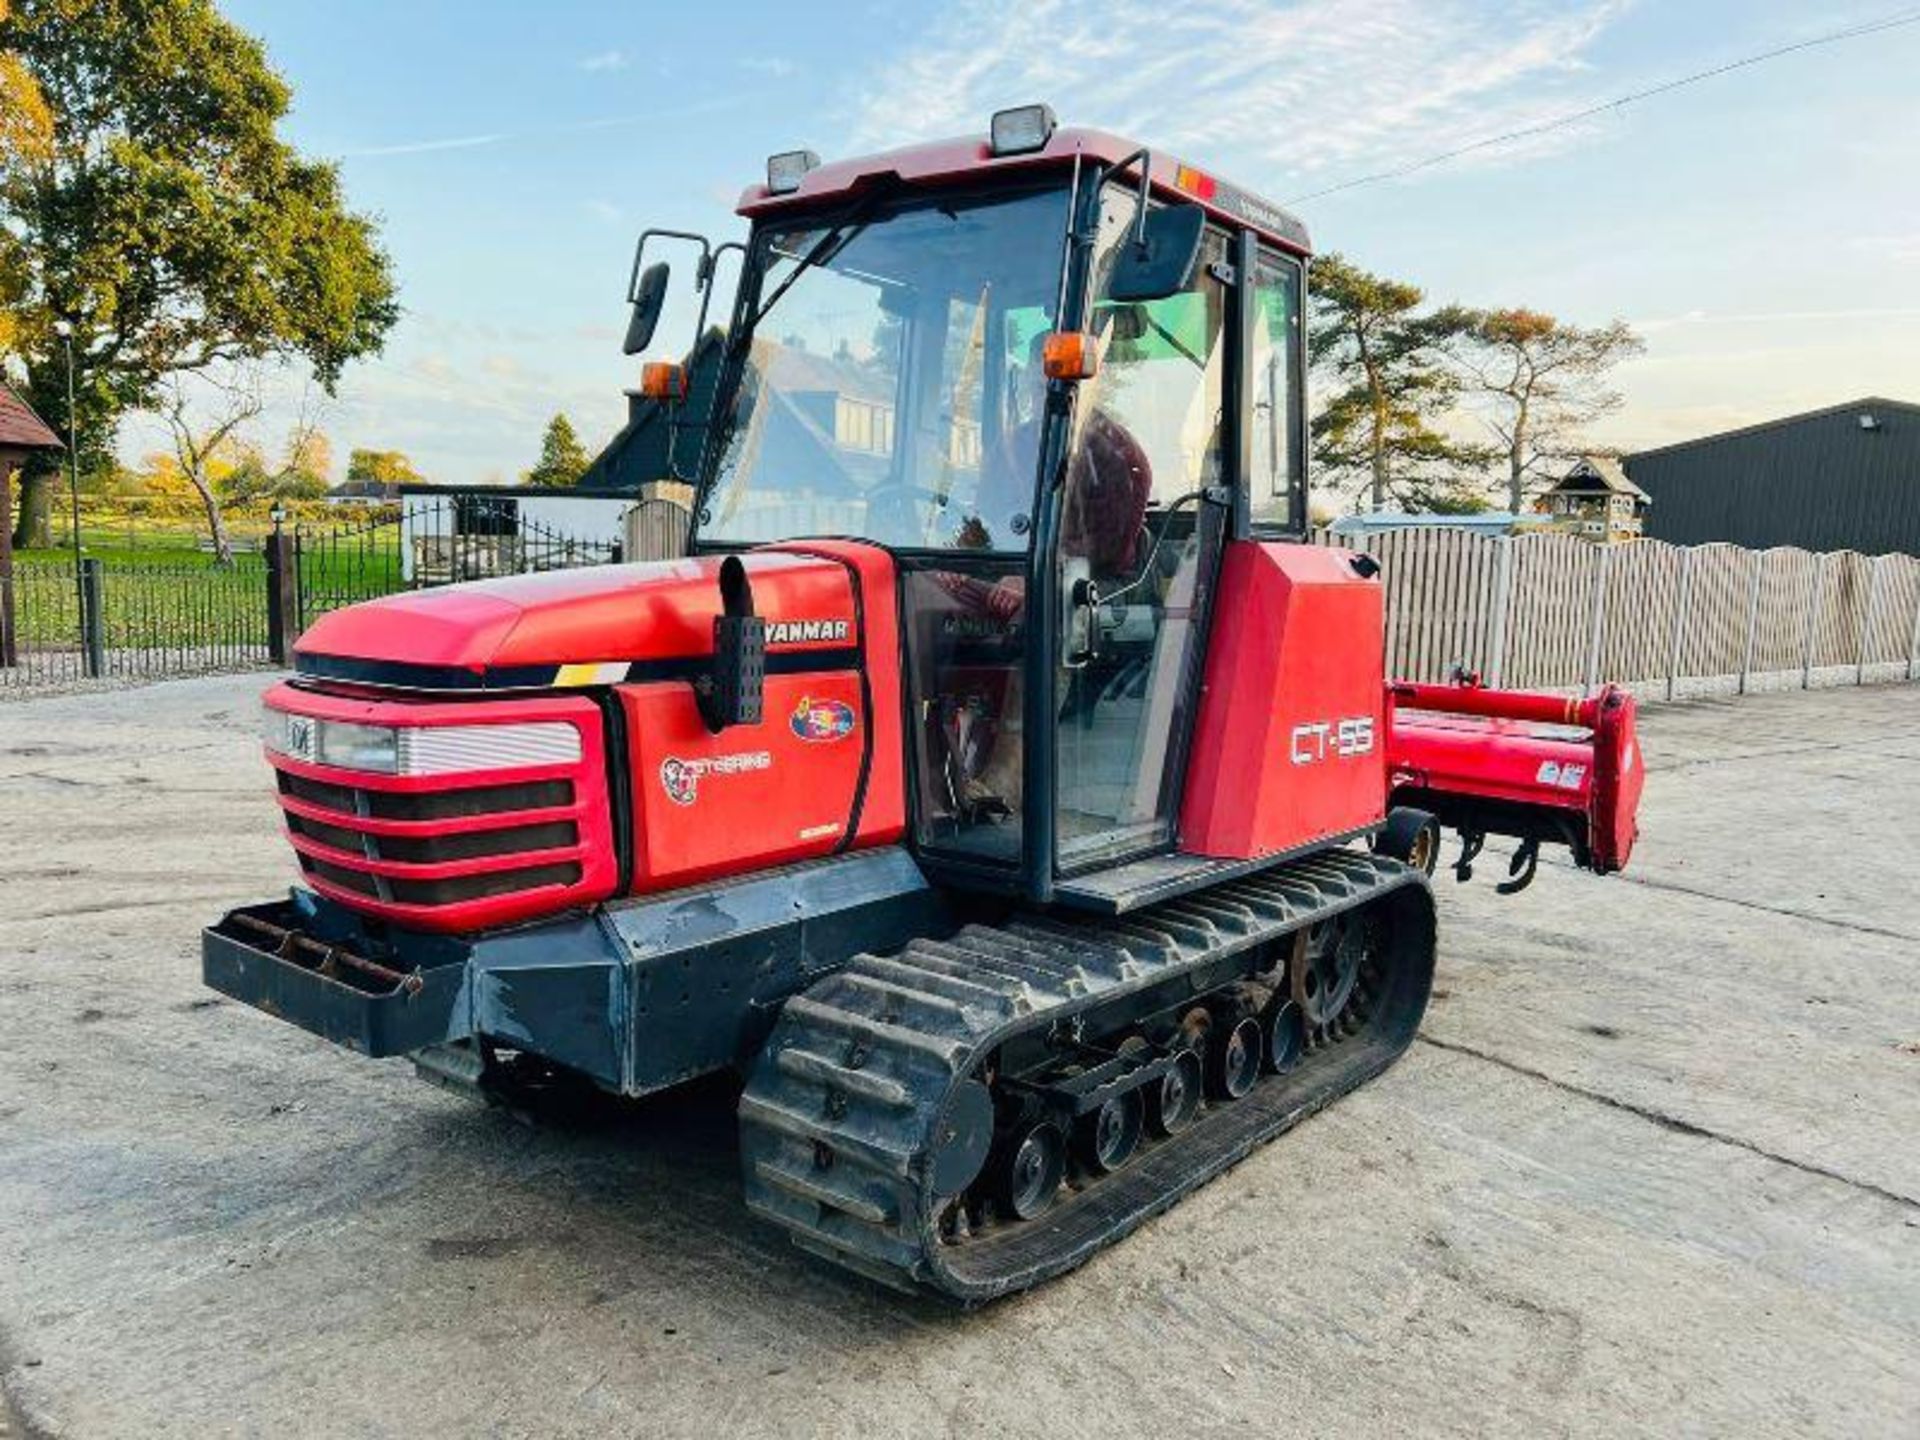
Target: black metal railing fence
121, 619
129, 615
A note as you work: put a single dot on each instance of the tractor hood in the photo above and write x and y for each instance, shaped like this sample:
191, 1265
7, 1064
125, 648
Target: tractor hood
597, 625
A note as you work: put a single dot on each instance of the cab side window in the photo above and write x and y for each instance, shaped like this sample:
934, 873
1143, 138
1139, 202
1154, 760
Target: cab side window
1274, 479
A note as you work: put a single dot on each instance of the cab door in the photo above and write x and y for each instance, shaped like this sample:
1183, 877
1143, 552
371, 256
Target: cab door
1145, 510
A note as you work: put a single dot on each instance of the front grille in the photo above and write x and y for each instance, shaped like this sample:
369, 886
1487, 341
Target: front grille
444, 852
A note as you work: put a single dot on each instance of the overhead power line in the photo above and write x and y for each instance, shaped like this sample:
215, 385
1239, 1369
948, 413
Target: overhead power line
1874, 27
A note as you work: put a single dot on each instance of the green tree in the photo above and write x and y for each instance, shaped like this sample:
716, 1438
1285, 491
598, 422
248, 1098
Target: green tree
563, 459
382, 467
1539, 382
301, 473
26, 138
164, 219
1369, 338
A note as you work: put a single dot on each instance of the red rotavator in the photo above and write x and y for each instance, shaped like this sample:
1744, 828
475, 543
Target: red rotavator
999, 781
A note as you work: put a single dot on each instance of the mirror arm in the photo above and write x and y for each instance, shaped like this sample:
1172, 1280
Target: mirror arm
640, 253
1144, 157
703, 281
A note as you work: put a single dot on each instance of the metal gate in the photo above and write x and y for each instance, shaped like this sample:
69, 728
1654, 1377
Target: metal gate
432, 542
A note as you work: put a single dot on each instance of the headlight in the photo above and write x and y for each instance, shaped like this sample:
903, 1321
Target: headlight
359, 747
419, 750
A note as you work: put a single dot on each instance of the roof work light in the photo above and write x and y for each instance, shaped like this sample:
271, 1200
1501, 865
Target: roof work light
1016, 131
786, 170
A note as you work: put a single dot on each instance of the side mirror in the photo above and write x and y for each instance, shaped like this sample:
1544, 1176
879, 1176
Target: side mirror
649, 296
1158, 260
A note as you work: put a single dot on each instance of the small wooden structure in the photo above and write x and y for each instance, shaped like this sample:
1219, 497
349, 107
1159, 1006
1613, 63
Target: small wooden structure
1596, 501
21, 433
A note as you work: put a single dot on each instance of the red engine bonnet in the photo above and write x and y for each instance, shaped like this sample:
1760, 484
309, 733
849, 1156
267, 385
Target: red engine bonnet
501, 634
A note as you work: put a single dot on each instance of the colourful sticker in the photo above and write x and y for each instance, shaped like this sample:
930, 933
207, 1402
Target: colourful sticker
681, 778
821, 720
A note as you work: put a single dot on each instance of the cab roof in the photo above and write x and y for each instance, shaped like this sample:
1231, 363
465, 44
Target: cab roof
952, 161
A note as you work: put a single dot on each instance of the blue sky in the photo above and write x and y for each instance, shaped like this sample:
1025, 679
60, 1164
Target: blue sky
1761, 229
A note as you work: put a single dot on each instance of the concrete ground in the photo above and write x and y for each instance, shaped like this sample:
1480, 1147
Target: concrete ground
1652, 1167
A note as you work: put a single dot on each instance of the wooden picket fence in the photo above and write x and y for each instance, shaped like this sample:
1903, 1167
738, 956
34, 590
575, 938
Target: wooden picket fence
1554, 612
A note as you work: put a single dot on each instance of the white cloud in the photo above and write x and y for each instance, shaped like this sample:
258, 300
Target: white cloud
422, 147
775, 67
606, 60
1311, 89
709, 105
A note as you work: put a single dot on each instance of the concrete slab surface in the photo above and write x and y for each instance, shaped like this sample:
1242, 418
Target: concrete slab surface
1651, 1168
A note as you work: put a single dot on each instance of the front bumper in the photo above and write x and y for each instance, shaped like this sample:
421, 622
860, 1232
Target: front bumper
282, 957
636, 995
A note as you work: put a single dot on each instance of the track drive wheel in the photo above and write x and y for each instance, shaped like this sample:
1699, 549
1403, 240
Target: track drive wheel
1324, 981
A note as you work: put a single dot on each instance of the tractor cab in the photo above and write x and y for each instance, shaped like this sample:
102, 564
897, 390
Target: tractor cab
1053, 375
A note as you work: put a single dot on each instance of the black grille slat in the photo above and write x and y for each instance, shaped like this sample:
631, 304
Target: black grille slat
450, 891
317, 792
461, 804
479, 844
431, 804
480, 887
432, 849
334, 835
356, 880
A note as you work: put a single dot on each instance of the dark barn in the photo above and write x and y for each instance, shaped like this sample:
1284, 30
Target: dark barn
1843, 478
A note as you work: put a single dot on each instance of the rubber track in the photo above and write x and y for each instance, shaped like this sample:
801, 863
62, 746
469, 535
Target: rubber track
839, 1115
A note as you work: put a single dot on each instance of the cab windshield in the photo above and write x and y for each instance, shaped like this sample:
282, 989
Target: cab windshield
892, 386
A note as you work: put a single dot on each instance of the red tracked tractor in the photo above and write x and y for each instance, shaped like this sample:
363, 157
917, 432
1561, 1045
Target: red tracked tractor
999, 783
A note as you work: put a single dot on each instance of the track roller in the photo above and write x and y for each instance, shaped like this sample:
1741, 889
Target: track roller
1106, 1138
1284, 1035
1031, 1168
1233, 1059
1175, 1099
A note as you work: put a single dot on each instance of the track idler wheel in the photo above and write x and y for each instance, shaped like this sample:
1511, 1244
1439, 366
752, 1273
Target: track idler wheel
1233, 1059
1105, 1139
1173, 1102
1031, 1168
